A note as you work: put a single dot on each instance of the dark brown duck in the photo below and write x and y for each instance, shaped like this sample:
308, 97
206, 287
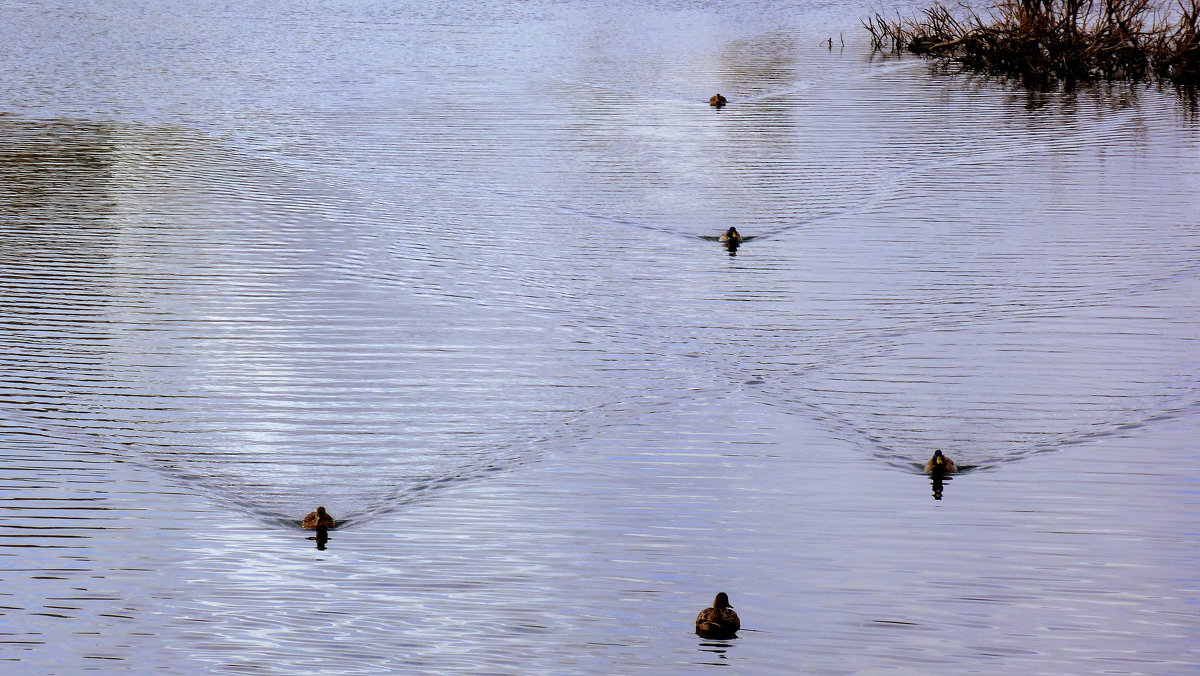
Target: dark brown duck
720, 621
318, 520
940, 464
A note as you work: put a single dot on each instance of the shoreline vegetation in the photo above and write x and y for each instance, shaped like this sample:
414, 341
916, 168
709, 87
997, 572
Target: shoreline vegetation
1049, 41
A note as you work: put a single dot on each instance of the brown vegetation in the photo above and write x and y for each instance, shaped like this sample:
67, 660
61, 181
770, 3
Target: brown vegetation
1057, 39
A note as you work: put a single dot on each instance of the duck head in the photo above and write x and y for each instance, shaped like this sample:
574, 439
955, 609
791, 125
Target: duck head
722, 601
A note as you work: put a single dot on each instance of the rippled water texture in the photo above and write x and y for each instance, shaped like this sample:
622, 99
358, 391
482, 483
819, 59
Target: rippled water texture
451, 272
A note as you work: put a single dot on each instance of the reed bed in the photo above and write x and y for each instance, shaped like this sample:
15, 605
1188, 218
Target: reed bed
1056, 40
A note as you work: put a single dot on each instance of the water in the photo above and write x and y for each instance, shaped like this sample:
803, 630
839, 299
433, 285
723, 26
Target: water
449, 271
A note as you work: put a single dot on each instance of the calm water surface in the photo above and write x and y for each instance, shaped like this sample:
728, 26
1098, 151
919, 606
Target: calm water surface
451, 272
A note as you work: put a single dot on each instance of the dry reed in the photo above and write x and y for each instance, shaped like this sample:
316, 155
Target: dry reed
1048, 40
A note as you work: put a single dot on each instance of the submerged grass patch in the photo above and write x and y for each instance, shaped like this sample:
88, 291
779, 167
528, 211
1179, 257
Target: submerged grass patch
1056, 40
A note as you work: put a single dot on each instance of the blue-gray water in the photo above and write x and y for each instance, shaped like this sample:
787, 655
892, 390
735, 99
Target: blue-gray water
448, 271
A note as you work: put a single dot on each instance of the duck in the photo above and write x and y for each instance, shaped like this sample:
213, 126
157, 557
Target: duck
716, 101
940, 464
731, 236
318, 520
720, 621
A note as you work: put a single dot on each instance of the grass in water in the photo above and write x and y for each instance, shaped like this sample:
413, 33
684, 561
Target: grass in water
1057, 40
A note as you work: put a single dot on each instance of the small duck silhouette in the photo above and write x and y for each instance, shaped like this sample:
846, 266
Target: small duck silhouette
318, 520
731, 236
720, 621
940, 464
716, 101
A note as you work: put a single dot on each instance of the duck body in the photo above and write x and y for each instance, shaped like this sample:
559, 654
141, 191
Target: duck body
318, 520
731, 236
716, 101
940, 464
720, 621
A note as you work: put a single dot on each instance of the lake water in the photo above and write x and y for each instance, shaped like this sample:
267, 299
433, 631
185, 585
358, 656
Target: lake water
450, 270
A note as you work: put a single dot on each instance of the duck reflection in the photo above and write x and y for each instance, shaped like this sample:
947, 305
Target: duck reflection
718, 648
321, 538
938, 479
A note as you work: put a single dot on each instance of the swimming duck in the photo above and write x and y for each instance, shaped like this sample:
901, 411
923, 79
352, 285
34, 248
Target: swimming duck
716, 101
731, 235
718, 622
941, 464
318, 520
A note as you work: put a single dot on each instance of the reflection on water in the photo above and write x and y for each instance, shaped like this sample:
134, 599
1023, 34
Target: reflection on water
715, 652
321, 538
938, 481
454, 273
